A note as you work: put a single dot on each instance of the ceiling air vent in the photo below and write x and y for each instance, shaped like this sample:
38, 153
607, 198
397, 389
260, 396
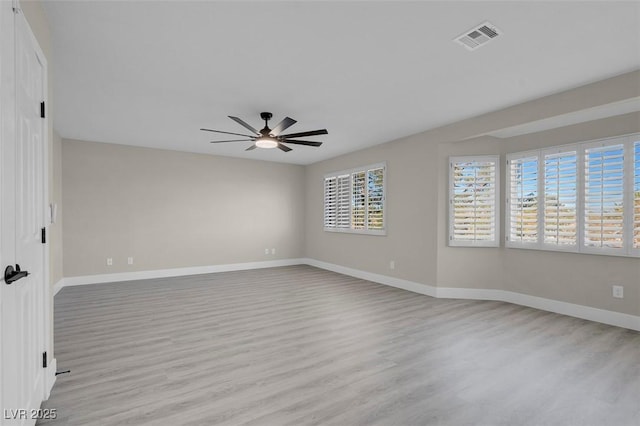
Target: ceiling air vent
478, 36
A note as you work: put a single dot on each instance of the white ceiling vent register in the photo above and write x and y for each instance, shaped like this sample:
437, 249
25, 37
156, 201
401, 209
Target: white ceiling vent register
478, 36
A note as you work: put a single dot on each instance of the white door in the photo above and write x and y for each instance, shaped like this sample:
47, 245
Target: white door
23, 303
7, 195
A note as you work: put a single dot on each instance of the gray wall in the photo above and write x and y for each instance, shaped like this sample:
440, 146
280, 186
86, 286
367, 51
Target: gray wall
570, 277
417, 208
170, 209
411, 217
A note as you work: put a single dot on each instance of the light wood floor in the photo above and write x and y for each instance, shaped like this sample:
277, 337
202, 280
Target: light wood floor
302, 346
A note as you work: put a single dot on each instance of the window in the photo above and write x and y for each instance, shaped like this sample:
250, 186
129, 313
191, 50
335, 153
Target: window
358, 200
589, 198
523, 196
560, 198
344, 198
330, 202
604, 196
336, 202
354, 200
375, 200
473, 200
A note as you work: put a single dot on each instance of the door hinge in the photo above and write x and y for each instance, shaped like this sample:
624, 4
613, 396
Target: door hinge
16, 6
43, 235
42, 115
44, 359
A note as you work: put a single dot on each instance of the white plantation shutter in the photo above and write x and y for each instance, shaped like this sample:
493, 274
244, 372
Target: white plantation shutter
636, 195
330, 202
336, 201
358, 200
354, 200
604, 196
343, 197
589, 198
560, 198
522, 202
375, 199
473, 198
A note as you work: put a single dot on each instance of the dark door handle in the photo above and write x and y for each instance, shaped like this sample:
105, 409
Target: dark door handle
11, 275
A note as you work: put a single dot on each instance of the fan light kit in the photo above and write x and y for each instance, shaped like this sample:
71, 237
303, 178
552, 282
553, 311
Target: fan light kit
271, 138
267, 143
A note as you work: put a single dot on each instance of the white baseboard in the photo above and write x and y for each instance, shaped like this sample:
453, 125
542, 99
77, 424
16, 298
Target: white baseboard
50, 377
369, 276
173, 272
579, 311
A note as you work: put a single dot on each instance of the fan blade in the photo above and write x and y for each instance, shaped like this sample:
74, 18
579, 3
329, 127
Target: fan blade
303, 134
284, 148
243, 124
308, 143
251, 147
233, 140
283, 125
226, 133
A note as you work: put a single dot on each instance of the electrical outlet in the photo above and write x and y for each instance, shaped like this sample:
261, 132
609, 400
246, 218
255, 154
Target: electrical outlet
618, 291
392, 264
130, 260
266, 251
273, 251
109, 261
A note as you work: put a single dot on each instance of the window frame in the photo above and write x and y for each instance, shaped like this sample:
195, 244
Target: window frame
634, 140
496, 202
350, 172
627, 249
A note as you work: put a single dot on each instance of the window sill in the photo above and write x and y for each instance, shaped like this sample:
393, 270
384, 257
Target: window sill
379, 233
472, 244
575, 250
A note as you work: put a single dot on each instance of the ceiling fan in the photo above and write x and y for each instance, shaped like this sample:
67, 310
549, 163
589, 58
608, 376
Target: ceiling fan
271, 138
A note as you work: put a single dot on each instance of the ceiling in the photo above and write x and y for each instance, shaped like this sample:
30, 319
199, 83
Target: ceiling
151, 74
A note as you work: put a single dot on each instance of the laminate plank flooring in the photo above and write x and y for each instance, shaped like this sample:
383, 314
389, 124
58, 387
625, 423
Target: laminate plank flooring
303, 346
